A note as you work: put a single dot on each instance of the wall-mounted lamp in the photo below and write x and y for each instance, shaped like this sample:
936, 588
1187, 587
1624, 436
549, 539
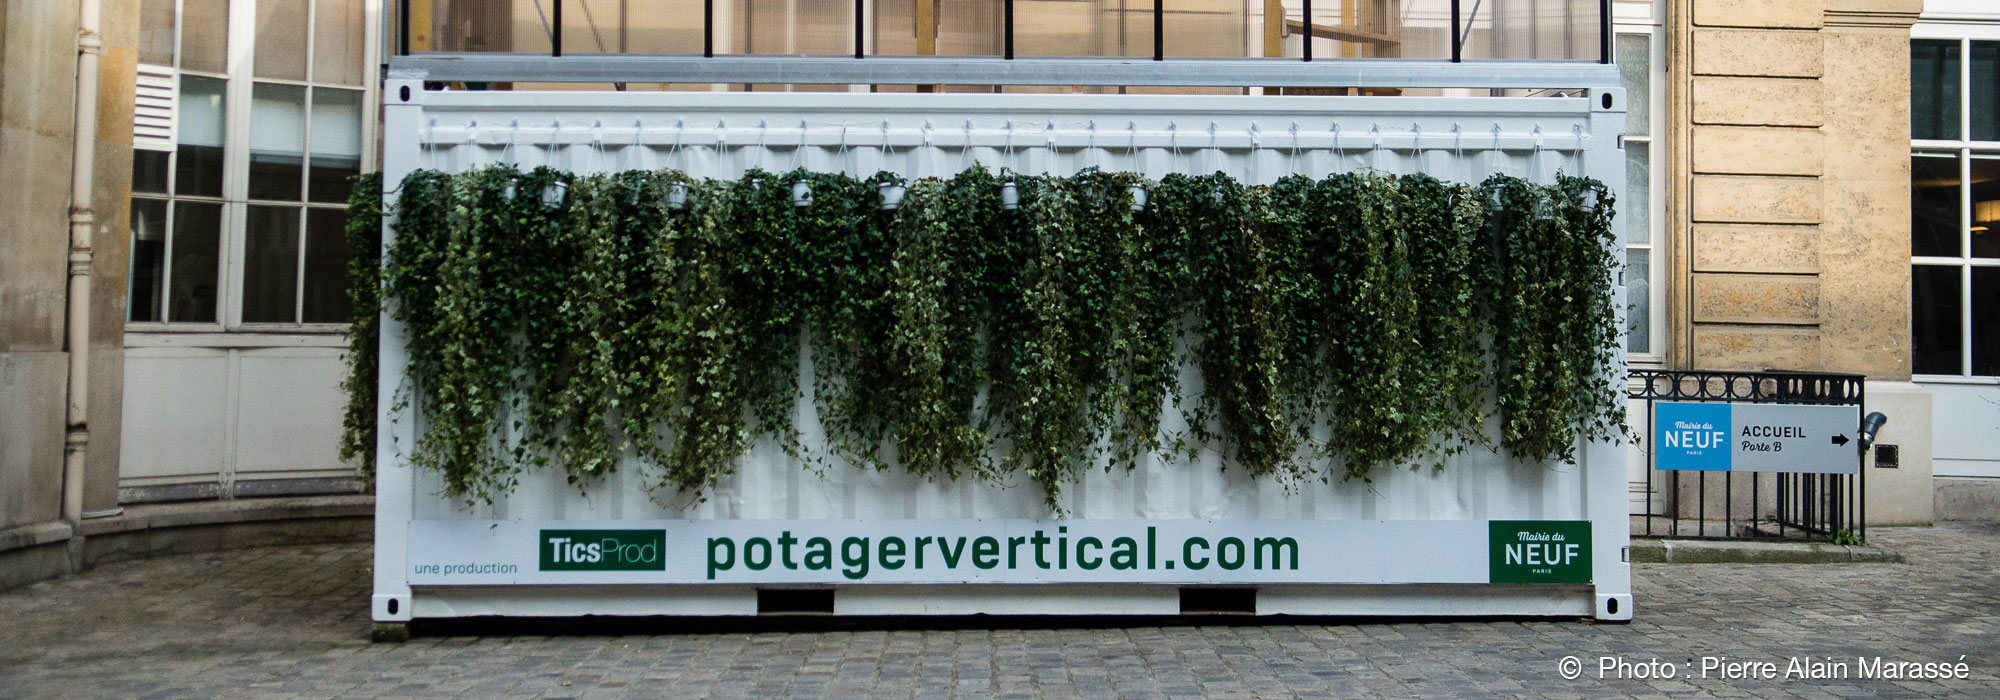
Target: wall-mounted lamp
1871, 424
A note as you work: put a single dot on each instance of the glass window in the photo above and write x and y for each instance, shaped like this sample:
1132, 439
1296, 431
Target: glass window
1934, 89
1935, 319
326, 267
149, 259
281, 39
337, 42
1934, 198
1986, 326
618, 26
1985, 197
1985, 81
970, 28
205, 35
483, 25
1507, 29
1635, 69
336, 143
196, 254
156, 32
198, 149
1635, 204
1634, 52
271, 265
1955, 208
1638, 292
1532, 29
277, 141
149, 171
263, 245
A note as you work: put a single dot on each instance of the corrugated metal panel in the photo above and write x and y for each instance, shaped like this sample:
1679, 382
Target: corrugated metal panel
154, 107
1253, 138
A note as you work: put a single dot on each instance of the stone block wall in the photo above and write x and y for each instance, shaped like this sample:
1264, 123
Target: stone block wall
1795, 162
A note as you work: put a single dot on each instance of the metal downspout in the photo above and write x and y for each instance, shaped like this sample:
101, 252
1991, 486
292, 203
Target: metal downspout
82, 219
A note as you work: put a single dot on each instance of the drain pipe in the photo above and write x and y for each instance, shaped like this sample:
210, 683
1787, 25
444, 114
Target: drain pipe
82, 218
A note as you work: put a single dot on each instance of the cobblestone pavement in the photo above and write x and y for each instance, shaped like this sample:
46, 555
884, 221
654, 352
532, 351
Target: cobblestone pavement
291, 622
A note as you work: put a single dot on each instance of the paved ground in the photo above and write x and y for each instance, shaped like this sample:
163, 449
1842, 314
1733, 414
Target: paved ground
290, 622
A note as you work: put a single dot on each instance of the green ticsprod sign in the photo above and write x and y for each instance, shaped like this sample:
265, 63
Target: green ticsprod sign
604, 550
1539, 551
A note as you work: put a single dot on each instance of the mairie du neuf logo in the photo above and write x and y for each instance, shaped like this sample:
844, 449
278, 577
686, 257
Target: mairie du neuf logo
603, 550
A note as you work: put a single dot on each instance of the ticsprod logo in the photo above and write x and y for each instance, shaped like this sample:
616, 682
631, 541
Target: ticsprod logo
604, 550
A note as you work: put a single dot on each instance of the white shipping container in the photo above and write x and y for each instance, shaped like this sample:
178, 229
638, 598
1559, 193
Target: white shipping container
1411, 542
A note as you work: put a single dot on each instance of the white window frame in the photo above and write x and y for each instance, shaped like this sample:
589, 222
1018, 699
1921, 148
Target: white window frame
1643, 17
240, 80
1966, 28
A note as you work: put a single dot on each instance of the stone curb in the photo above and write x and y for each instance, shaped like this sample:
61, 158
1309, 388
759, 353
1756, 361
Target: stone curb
1651, 551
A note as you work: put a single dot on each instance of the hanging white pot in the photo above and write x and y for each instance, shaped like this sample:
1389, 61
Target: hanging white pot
507, 192
553, 194
892, 195
1590, 200
677, 197
1493, 201
1010, 196
1138, 197
802, 194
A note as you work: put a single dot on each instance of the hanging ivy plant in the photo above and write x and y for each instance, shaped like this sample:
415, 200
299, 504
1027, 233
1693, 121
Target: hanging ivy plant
364, 273
566, 321
460, 325
929, 392
1299, 225
1554, 337
707, 413
1590, 334
848, 255
1235, 297
1050, 410
1373, 355
644, 321
768, 280
1443, 225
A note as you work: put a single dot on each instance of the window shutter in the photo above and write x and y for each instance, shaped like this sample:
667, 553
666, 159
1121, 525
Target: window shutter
154, 109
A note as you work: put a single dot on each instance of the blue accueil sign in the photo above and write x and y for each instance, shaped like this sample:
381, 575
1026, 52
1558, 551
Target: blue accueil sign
1755, 437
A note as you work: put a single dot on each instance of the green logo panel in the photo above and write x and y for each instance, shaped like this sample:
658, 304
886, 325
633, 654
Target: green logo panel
603, 550
1539, 551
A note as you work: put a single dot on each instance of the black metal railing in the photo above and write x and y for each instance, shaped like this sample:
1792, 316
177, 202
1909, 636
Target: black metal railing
1801, 505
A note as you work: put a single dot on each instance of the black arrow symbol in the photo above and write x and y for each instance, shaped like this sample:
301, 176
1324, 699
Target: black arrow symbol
1840, 440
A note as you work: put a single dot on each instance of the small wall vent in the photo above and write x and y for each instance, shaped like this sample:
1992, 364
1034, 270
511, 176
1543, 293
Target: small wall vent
155, 105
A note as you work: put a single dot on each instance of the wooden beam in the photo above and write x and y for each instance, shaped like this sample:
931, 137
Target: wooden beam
927, 34
1274, 29
927, 27
1344, 34
421, 22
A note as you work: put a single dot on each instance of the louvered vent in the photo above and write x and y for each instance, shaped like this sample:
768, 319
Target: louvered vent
153, 109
